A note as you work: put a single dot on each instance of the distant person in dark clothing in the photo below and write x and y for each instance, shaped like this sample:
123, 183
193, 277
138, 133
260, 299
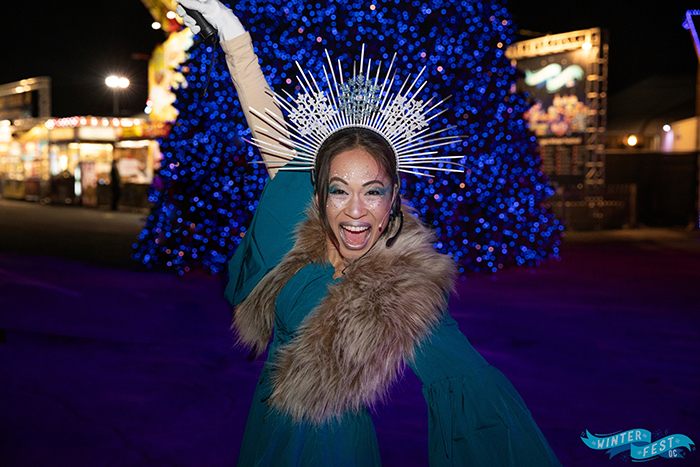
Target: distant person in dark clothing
116, 185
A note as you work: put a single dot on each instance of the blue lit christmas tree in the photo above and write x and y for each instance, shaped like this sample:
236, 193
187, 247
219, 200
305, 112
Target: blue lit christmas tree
487, 218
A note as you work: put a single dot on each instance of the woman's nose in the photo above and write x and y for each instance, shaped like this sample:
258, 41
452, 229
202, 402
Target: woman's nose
356, 207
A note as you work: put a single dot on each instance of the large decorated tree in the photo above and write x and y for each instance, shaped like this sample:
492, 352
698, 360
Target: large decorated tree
492, 215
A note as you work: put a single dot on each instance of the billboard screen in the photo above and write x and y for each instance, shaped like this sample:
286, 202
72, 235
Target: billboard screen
556, 85
557, 72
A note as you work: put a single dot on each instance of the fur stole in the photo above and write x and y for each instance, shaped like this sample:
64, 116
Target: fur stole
354, 344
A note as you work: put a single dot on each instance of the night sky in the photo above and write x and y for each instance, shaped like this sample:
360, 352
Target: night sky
79, 43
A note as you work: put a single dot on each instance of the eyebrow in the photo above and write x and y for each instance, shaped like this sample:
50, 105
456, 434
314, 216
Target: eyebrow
371, 182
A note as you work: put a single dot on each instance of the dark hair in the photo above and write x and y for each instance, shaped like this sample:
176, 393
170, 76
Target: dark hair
347, 140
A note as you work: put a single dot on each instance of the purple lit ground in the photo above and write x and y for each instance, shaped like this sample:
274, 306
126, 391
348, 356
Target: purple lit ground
107, 364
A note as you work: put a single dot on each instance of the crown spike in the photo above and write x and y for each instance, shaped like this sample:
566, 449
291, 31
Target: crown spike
279, 125
303, 75
362, 58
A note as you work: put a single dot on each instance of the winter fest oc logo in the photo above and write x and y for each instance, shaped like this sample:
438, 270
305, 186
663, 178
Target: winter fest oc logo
637, 444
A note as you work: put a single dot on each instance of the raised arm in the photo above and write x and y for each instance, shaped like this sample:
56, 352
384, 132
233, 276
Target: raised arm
253, 90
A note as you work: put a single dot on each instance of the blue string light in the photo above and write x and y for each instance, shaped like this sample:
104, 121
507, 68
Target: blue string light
492, 216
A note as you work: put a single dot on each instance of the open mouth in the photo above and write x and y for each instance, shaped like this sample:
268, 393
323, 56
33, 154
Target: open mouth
355, 236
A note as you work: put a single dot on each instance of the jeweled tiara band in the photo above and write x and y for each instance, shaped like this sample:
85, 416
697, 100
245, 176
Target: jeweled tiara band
361, 102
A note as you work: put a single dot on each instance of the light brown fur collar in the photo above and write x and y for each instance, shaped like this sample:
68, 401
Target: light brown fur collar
350, 348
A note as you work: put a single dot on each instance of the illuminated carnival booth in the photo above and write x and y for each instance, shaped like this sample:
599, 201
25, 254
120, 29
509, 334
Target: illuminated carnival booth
68, 160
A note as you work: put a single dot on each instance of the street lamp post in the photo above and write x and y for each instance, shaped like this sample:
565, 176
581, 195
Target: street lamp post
117, 83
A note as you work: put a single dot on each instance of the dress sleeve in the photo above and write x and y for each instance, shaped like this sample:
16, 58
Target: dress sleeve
476, 417
286, 194
271, 232
253, 91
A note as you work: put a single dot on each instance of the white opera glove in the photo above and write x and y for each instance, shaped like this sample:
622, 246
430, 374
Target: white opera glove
216, 13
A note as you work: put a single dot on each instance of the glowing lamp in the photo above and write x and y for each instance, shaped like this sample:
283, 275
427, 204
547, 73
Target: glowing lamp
667, 128
586, 46
112, 81
632, 140
116, 83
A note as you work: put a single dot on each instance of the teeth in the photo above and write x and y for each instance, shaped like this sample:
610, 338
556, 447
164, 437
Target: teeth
353, 228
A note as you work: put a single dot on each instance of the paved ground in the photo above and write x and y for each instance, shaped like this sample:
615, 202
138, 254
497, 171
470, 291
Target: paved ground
103, 363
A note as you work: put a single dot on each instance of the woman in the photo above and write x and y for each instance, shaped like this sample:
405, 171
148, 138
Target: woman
353, 294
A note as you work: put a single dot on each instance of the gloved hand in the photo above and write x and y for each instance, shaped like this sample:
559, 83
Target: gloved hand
222, 18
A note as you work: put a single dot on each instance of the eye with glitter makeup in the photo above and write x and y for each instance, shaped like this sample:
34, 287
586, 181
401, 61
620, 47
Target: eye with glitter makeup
336, 190
377, 191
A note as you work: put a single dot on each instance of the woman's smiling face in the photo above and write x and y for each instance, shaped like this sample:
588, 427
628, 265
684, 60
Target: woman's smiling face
360, 195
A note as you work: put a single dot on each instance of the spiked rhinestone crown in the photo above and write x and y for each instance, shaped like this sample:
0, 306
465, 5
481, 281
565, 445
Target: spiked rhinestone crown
362, 101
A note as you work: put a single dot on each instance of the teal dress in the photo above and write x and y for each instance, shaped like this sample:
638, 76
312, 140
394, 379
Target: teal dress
476, 417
